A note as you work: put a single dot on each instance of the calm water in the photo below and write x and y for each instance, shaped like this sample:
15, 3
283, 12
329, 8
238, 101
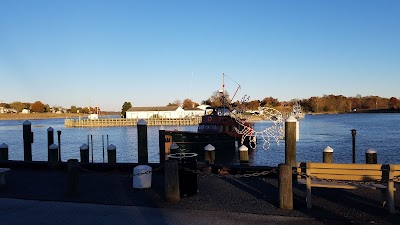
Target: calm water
378, 131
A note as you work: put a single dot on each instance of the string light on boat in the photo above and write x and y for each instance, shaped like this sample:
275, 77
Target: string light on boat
273, 132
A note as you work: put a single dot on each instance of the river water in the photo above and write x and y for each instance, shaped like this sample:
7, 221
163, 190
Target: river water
378, 131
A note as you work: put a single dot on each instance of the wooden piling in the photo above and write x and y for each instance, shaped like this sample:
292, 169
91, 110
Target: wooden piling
328, 155
59, 145
244, 154
290, 141
142, 142
3, 152
72, 177
172, 191
28, 140
371, 156
112, 154
209, 153
285, 186
50, 141
161, 143
53, 156
353, 135
84, 152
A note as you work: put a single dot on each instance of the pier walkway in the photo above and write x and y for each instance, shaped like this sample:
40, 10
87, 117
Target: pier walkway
39, 197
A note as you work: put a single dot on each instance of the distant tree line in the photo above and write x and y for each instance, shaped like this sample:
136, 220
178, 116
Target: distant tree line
324, 104
39, 107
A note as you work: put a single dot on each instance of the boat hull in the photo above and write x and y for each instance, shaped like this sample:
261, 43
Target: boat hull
195, 142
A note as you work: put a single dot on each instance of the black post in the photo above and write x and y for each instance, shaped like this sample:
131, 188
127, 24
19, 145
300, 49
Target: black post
107, 140
142, 142
59, 145
72, 177
91, 143
112, 154
161, 143
84, 152
50, 141
353, 134
102, 141
3, 152
27, 135
53, 156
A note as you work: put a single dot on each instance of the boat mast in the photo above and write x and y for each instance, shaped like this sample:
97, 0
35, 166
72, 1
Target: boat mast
223, 90
223, 84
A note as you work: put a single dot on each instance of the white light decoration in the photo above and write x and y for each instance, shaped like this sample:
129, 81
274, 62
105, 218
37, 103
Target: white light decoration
273, 132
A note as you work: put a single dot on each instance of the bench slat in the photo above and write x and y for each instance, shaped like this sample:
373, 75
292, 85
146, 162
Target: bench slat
346, 172
395, 166
327, 184
347, 177
346, 166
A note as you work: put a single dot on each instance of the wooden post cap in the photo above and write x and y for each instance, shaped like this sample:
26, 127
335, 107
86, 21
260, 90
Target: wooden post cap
142, 122
50, 129
371, 151
53, 146
328, 149
4, 145
243, 148
291, 119
26, 123
84, 147
111, 147
209, 147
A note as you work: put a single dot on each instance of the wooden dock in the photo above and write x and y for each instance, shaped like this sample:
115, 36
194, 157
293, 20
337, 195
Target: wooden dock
122, 122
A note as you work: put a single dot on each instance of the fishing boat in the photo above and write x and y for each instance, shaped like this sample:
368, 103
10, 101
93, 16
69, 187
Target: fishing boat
219, 127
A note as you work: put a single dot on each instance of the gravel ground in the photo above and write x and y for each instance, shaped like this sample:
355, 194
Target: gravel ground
258, 195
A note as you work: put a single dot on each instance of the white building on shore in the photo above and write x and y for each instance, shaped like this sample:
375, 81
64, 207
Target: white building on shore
170, 112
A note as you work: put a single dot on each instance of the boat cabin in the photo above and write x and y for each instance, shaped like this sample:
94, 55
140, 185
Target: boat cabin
218, 120
217, 111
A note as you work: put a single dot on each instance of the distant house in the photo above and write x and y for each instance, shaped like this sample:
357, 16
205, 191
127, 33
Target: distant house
193, 112
203, 107
157, 111
93, 116
26, 111
173, 112
6, 110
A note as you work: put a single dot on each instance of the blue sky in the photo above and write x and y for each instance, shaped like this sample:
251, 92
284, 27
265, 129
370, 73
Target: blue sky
155, 52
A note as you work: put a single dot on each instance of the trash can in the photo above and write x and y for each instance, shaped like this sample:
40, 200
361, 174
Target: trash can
187, 163
142, 176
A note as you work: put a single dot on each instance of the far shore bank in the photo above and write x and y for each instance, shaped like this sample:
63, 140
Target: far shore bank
39, 116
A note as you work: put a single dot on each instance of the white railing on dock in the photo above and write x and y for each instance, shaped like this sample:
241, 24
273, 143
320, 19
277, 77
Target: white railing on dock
121, 122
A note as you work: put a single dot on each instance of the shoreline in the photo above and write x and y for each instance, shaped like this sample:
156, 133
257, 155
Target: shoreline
43, 116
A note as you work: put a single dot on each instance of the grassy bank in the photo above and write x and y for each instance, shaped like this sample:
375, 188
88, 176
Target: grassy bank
38, 116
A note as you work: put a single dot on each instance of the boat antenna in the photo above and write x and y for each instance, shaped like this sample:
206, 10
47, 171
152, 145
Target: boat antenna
237, 89
223, 90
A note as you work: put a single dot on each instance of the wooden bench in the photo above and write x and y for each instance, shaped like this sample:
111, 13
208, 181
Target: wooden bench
393, 176
3, 176
349, 176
